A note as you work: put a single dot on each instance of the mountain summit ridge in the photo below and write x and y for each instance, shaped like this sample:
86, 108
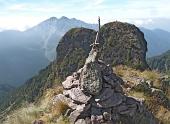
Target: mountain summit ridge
121, 44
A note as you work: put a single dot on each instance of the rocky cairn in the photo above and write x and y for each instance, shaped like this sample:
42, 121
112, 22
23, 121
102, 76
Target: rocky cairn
95, 96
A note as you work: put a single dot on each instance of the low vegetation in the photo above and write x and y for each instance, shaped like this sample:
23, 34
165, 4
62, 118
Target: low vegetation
161, 62
130, 74
160, 110
40, 110
24, 115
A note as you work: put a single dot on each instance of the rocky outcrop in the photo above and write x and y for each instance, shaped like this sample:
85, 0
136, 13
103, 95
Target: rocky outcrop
124, 44
120, 43
72, 51
95, 96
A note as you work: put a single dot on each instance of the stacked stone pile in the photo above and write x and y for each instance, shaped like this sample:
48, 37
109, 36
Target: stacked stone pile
95, 96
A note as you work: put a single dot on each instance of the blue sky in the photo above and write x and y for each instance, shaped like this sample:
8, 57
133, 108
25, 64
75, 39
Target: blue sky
22, 14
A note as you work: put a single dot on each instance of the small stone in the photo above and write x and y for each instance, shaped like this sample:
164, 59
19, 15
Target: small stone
107, 116
106, 93
77, 95
130, 100
100, 118
70, 82
80, 70
75, 75
115, 100
74, 116
83, 107
88, 120
80, 121
150, 83
94, 119
77, 113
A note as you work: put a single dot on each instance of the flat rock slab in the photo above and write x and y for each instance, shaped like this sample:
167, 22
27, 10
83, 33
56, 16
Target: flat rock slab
74, 115
77, 95
70, 82
110, 81
105, 94
115, 100
131, 100
80, 121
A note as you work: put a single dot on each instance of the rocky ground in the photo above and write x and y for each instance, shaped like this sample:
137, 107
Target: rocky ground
95, 96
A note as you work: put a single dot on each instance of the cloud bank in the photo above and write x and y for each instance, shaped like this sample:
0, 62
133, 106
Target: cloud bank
17, 14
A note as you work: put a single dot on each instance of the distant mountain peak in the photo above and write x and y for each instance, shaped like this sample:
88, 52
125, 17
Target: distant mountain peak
64, 18
52, 18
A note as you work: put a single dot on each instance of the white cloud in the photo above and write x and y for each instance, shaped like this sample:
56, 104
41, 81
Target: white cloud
139, 12
141, 22
97, 2
18, 23
17, 7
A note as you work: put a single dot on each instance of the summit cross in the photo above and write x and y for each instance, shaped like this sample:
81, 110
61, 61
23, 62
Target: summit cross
95, 43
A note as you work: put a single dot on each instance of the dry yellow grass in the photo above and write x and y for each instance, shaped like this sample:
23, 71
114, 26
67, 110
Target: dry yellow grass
59, 108
164, 115
27, 114
54, 112
49, 94
63, 120
153, 76
130, 74
24, 115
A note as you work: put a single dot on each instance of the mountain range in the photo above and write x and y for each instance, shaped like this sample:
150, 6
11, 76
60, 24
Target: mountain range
23, 54
158, 41
160, 63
